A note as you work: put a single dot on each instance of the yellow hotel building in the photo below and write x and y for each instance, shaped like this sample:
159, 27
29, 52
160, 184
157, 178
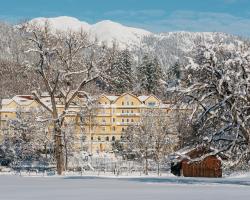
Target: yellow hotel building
101, 126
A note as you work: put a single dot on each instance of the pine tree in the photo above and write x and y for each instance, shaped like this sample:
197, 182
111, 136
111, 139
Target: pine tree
174, 75
122, 73
149, 74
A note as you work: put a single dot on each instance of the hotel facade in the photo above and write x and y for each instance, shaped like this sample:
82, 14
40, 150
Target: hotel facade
95, 127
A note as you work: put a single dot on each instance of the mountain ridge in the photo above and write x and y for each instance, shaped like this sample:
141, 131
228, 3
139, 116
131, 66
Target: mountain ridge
170, 47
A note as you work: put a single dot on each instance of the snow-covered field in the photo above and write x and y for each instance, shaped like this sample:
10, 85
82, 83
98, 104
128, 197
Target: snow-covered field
110, 188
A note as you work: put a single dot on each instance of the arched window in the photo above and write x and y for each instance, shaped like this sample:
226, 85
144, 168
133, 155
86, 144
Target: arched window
107, 138
99, 138
113, 138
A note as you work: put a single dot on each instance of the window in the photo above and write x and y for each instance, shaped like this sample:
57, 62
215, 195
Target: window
122, 111
132, 120
123, 129
103, 128
132, 103
92, 138
127, 120
107, 138
122, 120
113, 119
127, 103
152, 103
127, 111
113, 138
132, 111
103, 120
113, 128
123, 103
106, 103
99, 138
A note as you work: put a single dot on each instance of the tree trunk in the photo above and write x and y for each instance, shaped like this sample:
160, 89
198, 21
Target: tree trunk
158, 167
46, 153
66, 151
59, 151
146, 164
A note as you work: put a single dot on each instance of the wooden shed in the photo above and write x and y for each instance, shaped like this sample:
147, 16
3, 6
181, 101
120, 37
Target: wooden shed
197, 162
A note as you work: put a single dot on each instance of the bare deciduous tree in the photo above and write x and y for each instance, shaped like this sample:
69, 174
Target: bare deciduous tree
150, 138
65, 63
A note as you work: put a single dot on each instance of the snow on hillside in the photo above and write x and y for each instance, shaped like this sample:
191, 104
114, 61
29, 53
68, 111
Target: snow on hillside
170, 47
62, 23
105, 31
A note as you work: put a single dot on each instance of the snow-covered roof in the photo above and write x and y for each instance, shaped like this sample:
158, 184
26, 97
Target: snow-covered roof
111, 98
23, 99
143, 98
6, 101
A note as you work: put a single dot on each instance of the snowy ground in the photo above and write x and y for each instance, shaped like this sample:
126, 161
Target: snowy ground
110, 188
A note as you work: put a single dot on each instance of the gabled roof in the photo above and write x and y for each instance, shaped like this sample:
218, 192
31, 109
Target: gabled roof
144, 98
19, 99
23, 99
105, 96
127, 94
112, 98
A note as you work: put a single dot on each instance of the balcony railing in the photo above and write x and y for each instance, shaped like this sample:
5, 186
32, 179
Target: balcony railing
127, 114
126, 123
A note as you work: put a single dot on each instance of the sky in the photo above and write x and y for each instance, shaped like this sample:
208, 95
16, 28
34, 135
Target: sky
230, 16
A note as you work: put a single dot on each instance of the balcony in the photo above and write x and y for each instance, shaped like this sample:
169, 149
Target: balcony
103, 123
126, 123
103, 114
128, 114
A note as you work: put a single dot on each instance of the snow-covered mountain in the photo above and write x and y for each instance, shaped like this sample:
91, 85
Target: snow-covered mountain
169, 47
105, 31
